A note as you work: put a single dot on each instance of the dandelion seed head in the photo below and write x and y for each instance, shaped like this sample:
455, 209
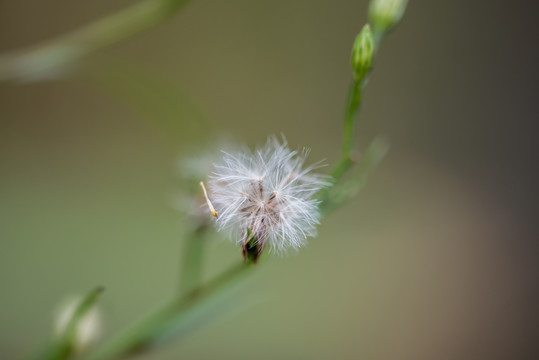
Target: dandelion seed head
267, 195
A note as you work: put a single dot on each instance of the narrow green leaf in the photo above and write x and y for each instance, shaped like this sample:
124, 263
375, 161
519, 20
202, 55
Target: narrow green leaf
348, 188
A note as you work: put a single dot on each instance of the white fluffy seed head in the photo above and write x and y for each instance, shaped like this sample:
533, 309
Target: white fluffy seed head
267, 195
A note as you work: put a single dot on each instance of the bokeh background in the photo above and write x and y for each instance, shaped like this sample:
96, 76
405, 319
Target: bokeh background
435, 259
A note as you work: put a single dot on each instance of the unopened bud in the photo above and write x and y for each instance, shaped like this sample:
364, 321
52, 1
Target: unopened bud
88, 328
385, 14
363, 53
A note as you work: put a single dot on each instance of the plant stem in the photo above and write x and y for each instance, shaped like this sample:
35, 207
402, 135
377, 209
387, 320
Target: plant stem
170, 318
193, 254
352, 108
47, 57
345, 162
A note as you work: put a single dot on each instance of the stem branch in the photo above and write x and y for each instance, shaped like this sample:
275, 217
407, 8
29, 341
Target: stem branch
170, 318
193, 254
46, 58
352, 108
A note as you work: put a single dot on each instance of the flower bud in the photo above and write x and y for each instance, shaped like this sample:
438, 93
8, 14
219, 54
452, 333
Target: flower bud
363, 53
385, 14
88, 328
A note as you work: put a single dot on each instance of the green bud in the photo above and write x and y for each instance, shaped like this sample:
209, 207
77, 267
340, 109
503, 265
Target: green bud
363, 53
385, 14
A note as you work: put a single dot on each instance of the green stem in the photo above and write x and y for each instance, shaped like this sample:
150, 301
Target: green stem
49, 56
171, 318
345, 162
193, 253
352, 108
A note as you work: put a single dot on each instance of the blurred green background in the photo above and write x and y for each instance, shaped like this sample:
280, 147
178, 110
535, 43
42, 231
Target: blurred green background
435, 259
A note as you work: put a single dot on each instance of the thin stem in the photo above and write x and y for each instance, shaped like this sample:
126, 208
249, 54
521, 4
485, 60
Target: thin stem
48, 57
170, 318
193, 254
345, 162
352, 108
